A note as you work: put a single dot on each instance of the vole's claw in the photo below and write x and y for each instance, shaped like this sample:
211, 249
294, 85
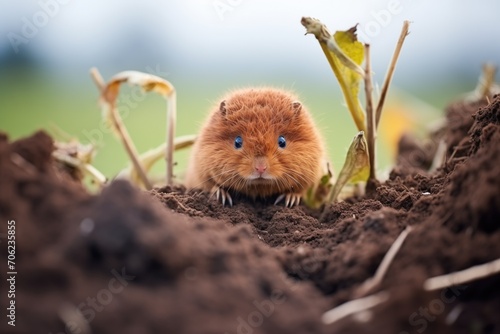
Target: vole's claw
290, 199
279, 199
222, 195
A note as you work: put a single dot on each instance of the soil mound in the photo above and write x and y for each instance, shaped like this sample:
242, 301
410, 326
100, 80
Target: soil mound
176, 261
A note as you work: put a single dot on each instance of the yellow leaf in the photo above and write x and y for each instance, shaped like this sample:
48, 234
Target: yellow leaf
348, 42
355, 50
345, 54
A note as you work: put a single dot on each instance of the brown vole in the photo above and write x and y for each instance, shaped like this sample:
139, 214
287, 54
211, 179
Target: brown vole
258, 142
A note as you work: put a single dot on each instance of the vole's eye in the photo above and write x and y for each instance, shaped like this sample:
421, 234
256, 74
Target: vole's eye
238, 142
281, 142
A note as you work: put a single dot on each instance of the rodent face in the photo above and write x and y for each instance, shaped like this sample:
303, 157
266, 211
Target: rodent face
262, 142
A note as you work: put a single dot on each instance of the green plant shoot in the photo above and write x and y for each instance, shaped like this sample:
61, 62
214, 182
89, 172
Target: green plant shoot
316, 195
356, 166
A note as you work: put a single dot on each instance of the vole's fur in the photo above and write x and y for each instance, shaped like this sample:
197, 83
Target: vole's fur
259, 116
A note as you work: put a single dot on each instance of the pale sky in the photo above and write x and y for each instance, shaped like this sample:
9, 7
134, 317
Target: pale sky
228, 36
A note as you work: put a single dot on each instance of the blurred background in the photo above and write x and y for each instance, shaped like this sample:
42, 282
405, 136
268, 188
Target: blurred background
206, 47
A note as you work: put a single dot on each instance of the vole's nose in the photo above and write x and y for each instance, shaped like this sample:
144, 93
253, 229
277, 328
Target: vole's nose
260, 169
260, 165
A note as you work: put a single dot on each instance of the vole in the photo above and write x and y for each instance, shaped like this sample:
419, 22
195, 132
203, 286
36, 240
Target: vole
259, 142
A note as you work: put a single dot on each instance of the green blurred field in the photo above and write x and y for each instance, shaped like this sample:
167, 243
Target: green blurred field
32, 100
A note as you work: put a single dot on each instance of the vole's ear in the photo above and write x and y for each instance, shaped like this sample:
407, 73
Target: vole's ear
222, 108
297, 107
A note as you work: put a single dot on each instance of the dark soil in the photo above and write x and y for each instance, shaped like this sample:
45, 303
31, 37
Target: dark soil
172, 261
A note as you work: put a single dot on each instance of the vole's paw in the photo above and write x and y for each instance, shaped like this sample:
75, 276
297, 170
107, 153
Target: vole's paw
291, 199
222, 195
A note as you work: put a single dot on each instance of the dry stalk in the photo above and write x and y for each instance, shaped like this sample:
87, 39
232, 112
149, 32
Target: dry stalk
371, 127
374, 281
463, 276
354, 306
390, 71
122, 130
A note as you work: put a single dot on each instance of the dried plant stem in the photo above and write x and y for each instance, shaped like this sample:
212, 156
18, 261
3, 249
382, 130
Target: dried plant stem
129, 146
72, 316
486, 81
98, 79
171, 122
374, 281
98, 177
464, 276
150, 157
390, 71
179, 144
439, 156
353, 307
122, 132
371, 128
